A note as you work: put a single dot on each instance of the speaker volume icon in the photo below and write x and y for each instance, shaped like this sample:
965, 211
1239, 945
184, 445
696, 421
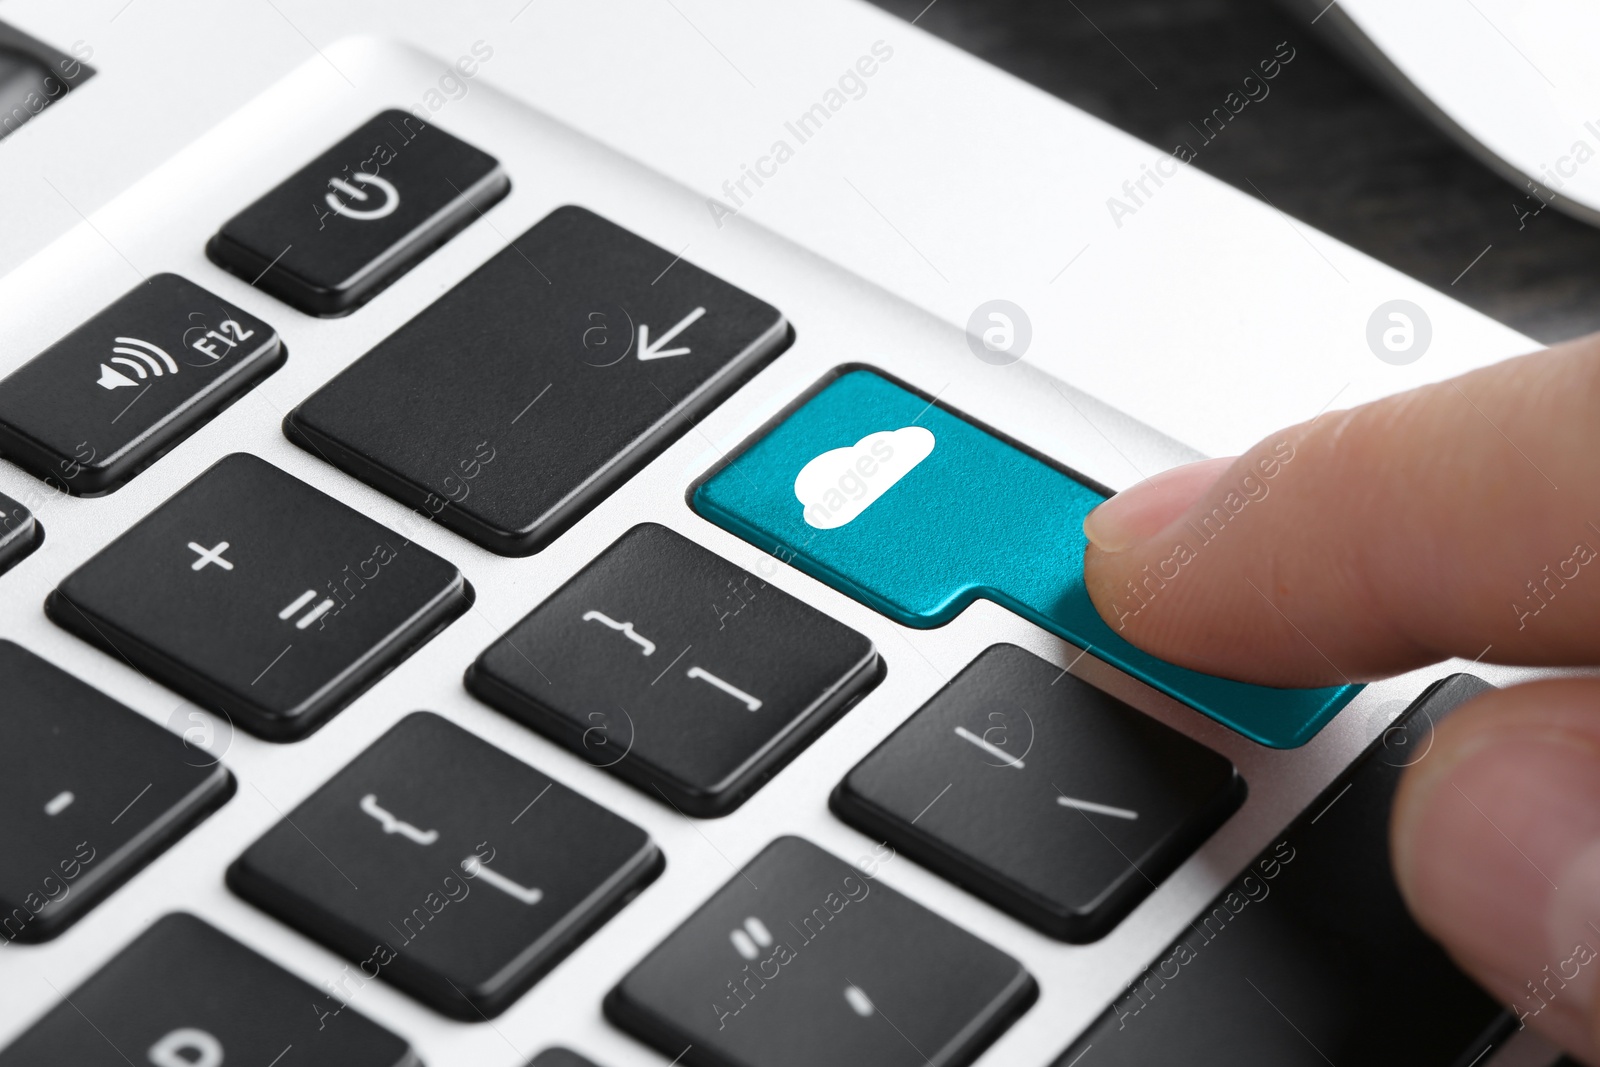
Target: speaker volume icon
141, 357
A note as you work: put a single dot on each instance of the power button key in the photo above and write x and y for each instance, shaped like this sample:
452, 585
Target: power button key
346, 225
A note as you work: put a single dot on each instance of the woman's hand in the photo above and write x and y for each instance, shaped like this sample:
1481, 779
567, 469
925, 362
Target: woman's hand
1459, 519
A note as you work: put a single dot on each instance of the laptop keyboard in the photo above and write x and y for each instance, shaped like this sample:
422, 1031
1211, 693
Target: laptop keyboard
432, 856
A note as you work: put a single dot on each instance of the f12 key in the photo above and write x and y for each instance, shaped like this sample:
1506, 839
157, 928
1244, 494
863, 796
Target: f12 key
113, 396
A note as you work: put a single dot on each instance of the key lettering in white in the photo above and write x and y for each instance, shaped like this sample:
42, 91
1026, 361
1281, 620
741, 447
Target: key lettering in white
732, 690
392, 825
476, 868
993, 750
210, 555
750, 938
624, 628
858, 1000
186, 1047
657, 349
1098, 809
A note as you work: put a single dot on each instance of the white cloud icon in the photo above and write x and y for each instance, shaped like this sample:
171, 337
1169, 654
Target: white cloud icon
841, 483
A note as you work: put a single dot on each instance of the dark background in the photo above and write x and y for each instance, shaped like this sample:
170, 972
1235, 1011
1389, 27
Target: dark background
1326, 146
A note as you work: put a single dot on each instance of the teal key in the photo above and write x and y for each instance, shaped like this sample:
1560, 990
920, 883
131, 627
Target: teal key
916, 512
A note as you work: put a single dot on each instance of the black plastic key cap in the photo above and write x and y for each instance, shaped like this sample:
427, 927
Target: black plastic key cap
1041, 793
20, 533
526, 394
183, 994
255, 595
346, 225
447, 867
1299, 962
677, 671
801, 959
559, 1057
114, 395
90, 792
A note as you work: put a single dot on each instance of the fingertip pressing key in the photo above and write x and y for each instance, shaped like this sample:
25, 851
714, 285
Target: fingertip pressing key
911, 509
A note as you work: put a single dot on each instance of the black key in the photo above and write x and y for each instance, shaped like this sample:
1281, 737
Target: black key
1298, 962
257, 596
677, 671
119, 392
802, 959
20, 533
449, 868
559, 1057
346, 225
1045, 796
183, 994
90, 792
526, 394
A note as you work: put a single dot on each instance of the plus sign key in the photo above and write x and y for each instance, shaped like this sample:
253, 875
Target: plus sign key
259, 597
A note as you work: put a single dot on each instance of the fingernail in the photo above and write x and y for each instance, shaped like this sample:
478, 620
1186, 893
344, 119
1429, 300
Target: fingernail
1498, 853
1137, 514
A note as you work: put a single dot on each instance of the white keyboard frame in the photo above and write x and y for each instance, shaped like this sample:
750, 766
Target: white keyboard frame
161, 224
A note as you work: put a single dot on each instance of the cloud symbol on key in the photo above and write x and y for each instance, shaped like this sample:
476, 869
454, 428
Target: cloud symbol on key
840, 484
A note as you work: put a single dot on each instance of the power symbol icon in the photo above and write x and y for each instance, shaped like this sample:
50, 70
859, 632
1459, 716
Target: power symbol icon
390, 201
